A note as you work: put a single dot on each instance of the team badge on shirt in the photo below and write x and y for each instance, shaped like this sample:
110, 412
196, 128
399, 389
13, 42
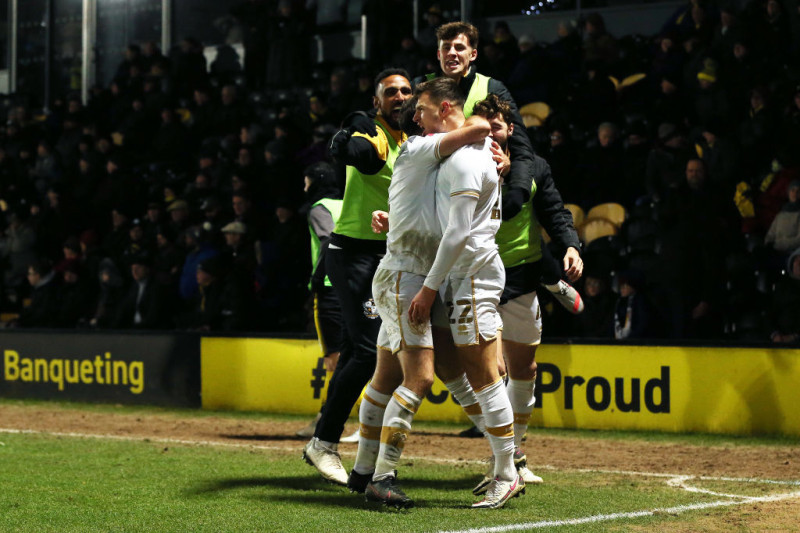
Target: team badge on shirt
370, 309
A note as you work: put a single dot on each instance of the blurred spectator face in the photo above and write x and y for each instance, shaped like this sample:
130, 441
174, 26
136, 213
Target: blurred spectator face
593, 286
228, 95
284, 214
698, 15
407, 43
501, 130
695, 174
739, 51
139, 272
666, 44
244, 135
773, 9
625, 290
41, 150
726, 18
204, 279
757, 100
245, 157
455, 56
69, 253
74, 106
233, 239
149, 48
201, 182
667, 87
795, 270
111, 167
501, 33
117, 218
103, 145
161, 241
337, 84
52, 198
492, 52
705, 84
137, 105
317, 106
179, 215
364, 84
201, 98
205, 162
70, 277
237, 183
33, 276
556, 138
634, 139
606, 136
563, 30
153, 214
166, 116
793, 193
709, 137
390, 94
136, 233
240, 205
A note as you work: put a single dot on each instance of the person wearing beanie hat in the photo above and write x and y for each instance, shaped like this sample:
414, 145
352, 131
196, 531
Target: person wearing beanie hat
218, 305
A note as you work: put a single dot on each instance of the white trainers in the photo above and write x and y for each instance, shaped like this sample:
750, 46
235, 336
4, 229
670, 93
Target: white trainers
308, 431
568, 297
499, 492
521, 464
327, 462
352, 438
488, 477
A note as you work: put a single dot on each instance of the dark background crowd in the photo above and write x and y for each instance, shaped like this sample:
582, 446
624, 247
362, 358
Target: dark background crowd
174, 199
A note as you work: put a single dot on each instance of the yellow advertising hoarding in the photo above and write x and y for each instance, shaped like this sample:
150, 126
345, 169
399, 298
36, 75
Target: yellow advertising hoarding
716, 390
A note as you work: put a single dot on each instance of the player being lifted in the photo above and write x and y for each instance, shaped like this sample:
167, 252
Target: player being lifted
405, 350
469, 274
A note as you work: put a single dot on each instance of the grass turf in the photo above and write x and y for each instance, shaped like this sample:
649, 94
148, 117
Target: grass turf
86, 484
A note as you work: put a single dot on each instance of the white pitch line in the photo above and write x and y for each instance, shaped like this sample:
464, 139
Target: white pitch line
440, 460
635, 514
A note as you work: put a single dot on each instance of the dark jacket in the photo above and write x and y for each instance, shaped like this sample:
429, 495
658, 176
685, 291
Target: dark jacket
150, 307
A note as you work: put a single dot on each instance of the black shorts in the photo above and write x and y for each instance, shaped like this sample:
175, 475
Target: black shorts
521, 279
328, 320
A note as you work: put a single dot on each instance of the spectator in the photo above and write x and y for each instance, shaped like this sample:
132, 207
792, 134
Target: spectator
144, 303
75, 295
784, 232
18, 251
666, 162
598, 45
42, 311
218, 304
783, 314
111, 293
597, 319
199, 249
631, 313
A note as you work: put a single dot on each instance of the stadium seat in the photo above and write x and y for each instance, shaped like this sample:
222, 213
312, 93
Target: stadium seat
594, 228
534, 114
578, 216
612, 211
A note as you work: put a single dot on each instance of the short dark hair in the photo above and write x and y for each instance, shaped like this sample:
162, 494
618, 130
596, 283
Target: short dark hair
441, 89
492, 106
451, 30
385, 73
407, 113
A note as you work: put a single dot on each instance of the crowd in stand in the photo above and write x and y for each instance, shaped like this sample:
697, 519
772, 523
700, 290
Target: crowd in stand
174, 199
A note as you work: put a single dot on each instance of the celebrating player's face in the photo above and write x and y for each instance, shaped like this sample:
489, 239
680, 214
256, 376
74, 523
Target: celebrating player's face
389, 97
427, 115
501, 130
455, 56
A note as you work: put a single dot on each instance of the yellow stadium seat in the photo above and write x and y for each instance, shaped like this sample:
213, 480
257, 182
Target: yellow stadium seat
594, 228
534, 114
578, 216
633, 79
612, 211
615, 81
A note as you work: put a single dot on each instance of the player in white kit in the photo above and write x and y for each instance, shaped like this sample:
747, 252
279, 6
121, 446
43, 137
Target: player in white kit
389, 407
469, 274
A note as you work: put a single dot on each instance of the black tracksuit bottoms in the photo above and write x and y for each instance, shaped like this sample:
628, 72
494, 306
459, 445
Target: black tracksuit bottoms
351, 274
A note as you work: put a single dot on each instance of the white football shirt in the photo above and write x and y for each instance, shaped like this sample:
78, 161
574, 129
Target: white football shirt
470, 170
414, 230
